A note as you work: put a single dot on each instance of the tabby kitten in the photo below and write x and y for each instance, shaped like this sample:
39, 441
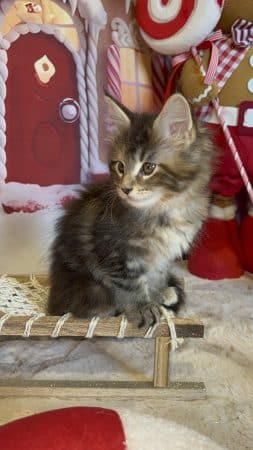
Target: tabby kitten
115, 245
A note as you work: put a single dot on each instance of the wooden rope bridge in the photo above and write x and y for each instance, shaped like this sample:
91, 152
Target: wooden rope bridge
44, 326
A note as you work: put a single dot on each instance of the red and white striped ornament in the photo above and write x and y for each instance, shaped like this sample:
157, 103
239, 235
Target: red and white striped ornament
173, 26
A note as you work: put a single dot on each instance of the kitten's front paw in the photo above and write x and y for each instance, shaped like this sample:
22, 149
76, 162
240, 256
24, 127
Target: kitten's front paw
169, 297
173, 296
144, 315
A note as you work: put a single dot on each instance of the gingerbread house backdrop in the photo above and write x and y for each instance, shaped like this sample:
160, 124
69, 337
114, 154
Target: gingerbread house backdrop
56, 58
49, 112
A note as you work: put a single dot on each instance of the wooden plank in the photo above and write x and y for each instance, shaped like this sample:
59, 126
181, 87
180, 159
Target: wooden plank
161, 362
85, 389
108, 327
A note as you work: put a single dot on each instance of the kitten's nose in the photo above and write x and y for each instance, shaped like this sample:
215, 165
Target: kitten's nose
126, 190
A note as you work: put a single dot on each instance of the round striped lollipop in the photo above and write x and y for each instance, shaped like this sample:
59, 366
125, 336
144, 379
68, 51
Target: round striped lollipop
174, 26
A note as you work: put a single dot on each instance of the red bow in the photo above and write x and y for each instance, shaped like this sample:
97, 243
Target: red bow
209, 43
242, 33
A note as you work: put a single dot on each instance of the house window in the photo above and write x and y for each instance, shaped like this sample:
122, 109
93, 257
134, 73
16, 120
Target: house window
136, 83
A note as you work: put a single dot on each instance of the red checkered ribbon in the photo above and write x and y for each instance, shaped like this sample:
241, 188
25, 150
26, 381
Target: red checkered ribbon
229, 59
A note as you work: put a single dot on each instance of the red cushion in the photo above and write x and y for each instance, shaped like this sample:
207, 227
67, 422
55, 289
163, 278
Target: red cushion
65, 429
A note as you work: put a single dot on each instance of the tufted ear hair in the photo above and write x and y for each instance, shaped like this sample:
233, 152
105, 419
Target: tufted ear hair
119, 117
175, 118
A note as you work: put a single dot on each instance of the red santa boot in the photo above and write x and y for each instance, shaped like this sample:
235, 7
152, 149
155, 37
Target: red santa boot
246, 237
216, 254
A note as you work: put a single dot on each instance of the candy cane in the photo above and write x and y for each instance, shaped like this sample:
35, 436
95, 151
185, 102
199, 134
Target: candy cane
113, 72
226, 131
158, 76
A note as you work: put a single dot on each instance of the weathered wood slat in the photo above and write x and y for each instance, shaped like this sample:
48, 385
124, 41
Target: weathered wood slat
109, 327
67, 390
161, 362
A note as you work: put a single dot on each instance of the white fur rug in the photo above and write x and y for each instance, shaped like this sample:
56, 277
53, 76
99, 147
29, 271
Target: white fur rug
146, 433
223, 360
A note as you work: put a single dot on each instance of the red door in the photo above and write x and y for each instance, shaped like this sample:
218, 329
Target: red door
41, 147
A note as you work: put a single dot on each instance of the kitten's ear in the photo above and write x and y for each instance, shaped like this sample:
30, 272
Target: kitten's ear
175, 119
119, 120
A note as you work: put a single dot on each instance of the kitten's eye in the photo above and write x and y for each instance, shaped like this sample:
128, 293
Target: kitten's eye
119, 167
148, 168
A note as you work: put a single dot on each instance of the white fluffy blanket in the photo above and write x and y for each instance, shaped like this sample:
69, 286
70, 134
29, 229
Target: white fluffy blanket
223, 360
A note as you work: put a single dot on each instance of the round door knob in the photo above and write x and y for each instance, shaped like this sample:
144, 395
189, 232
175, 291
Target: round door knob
69, 110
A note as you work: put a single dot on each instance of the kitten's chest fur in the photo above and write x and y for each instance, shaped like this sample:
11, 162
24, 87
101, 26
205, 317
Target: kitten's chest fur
168, 239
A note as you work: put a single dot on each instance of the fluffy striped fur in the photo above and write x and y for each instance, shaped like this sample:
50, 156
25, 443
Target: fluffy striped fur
116, 244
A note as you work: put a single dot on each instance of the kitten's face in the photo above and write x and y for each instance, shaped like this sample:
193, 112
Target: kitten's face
133, 176
148, 159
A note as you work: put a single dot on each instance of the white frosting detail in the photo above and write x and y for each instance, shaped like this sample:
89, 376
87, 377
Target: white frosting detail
127, 5
164, 13
201, 96
250, 85
229, 113
248, 118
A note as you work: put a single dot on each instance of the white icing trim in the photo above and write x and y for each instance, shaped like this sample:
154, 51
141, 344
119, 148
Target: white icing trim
73, 5
229, 113
226, 213
201, 96
128, 5
91, 10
